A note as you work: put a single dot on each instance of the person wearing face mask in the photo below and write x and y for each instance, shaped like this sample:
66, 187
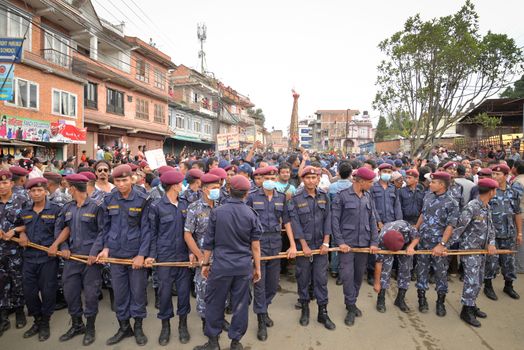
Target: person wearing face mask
271, 208
166, 219
194, 230
387, 205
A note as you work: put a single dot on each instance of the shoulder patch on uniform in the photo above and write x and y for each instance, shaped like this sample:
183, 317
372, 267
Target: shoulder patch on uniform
27, 217
116, 206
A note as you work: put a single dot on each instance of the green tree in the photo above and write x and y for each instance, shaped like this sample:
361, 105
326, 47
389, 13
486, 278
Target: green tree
382, 129
257, 114
517, 91
434, 70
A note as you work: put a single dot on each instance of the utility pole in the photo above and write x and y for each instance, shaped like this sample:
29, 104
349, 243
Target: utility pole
202, 36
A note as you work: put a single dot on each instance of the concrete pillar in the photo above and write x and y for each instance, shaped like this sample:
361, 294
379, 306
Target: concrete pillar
93, 47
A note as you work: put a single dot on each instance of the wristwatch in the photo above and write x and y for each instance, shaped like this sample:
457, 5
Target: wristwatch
325, 245
205, 264
442, 243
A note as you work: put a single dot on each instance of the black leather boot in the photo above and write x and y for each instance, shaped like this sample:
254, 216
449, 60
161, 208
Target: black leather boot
203, 325
226, 325
212, 344
89, 336
400, 300
468, 315
350, 316
422, 301
324, 318
262, 330
77, 327
21, 321
441, 308
269, 321
183, 333
236, 345
488, 290
304, 315
43, 331
34, 328
165, 333
381, 301
140, 337
508, 289
124, 331
4, 321
480, 313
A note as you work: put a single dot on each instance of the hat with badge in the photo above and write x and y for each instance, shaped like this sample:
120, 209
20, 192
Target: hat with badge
309, 170
488, 183
503, 168
452, 165
364, 173
5, 175
241, 183
259, 171
270, 170
133, 166
52, 176
172, 177
232, 168
76, 178
195, 173
412, 172
36, 182
384, 166
18, 170
164, 168
90, 176
221, 173
393, 240
441, 175
485, 172
123, 170
210, 178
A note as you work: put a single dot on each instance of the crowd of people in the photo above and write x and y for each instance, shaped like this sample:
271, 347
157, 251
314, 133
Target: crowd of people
224, 213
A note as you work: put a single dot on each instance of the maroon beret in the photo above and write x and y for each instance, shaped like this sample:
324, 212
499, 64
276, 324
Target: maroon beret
231, 167
393, 240
441, 175
412, 172
450, 165
79, 178
143, 164
36, 182
485, 172
385, 166
210, 178
18, 170
90, 176
122, 171
365, 173
221, 173
164, 168
259, 171
195, 173
501, 168
172, 177
52, 176
309, 170
5, 175
239, 182
489, 183
270, 170
133, 166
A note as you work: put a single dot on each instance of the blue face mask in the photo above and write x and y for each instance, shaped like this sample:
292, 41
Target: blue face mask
214, 194
385, 177
269, 185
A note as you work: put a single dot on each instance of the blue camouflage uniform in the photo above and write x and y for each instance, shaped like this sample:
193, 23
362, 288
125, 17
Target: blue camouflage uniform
40, 270
272, 215
167, 244
504, 206
197, 221
86, 224
456, 191
232, 229
11, 287
438, 212
405, 262
474, 231
191, 196
411, 202
127, 235
354, 223
224, 195
157, 192
311, 221
59, 197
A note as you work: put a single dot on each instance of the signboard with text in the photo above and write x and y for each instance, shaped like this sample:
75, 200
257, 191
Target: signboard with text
155, 158
11, 49
228, 141
7, 74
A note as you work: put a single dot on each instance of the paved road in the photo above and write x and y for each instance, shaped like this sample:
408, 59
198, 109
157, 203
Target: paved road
503, 329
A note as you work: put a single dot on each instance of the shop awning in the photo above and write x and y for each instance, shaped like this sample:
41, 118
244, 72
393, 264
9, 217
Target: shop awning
6, 142
190, 139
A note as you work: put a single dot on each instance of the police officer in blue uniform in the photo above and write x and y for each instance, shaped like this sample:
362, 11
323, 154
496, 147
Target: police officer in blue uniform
39, 270
193, 192
127, 235
233, 237
79, 231
311, 223
354, 225
272, 211
439, 216
411, 197
166, 218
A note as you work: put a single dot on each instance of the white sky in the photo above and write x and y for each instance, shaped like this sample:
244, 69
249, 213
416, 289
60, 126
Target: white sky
325, 49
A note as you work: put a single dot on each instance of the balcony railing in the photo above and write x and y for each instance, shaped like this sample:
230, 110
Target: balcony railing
58, 58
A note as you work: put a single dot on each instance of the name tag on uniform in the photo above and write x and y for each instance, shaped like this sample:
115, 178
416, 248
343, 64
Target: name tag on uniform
321, 201
479, 218
27, 217
302, 205
279, 203
89, 215
135, 209
47, 216
258, 202
113, 207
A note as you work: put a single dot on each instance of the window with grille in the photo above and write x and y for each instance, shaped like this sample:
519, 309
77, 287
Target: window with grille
115, 102
142, 71
159, 114
142, 109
